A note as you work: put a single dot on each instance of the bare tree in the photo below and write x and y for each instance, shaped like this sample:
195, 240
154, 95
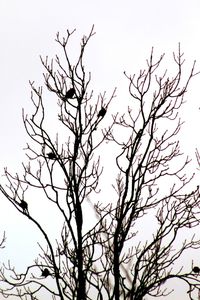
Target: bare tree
121, 255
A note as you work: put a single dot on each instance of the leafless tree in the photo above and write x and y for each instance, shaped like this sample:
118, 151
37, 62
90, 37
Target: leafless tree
133, 247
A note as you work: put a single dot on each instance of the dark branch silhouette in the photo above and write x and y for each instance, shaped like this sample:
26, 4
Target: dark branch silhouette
124, 246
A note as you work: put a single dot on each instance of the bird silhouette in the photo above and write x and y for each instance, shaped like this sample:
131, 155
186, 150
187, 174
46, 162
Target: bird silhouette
45, 273
69, 94
51, 155
24, 205
101, 113
196, 269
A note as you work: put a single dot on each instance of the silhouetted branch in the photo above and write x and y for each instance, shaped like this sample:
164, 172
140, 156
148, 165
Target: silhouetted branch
127, 245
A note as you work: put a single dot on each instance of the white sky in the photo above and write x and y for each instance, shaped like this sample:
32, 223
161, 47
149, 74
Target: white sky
126, 31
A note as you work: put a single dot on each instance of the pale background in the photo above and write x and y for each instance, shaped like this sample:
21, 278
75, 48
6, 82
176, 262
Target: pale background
126, 31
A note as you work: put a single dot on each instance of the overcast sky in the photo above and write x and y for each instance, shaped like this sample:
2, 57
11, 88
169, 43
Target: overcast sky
125, 32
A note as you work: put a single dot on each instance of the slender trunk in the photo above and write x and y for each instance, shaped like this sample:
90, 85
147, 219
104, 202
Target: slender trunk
116, 272
81, 295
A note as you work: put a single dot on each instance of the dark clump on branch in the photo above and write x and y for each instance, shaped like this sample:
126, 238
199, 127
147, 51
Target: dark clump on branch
51, 155
69, 94
45, 273
101, 113
196, 269
23, 205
